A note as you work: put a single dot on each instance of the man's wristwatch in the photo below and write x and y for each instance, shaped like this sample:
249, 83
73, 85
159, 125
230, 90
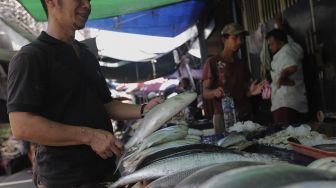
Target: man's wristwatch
142, 110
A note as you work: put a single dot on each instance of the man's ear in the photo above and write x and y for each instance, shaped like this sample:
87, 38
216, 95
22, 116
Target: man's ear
50, 3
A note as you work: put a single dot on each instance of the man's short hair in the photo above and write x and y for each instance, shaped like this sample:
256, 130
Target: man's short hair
44, 5
278, 34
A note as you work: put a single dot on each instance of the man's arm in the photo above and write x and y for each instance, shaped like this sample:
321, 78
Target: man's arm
285, 74
122, 111
256, 88
37, 129
211, 93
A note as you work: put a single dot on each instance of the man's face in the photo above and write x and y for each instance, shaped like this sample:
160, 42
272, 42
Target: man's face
274, 45
72, 13
234, 42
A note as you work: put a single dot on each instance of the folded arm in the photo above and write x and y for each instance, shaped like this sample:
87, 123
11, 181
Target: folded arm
285, 74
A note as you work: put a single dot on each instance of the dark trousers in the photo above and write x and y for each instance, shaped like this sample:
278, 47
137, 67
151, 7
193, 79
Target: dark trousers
91, 185
3, 112
109, 178
288, 115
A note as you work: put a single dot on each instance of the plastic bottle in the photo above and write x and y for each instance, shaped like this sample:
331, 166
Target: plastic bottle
229, 112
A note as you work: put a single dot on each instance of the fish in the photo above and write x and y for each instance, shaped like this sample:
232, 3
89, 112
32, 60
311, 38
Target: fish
131, 163
193, 137
208, 132
180, 151
158, 115
326, 163
162, 136
173, 179
264, 176
170, 165
196, 132
231, 139
202, 175
313, 184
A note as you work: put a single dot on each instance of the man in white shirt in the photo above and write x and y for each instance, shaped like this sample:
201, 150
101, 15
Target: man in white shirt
289, 101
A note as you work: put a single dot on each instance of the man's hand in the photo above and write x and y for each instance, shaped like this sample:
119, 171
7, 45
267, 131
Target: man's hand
104, 143
218, 92
284, 79
152, 103
256, 88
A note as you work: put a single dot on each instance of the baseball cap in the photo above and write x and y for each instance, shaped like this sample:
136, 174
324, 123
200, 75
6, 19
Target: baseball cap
233, 29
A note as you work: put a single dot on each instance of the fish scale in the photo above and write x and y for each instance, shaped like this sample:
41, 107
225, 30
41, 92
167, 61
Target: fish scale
180, 151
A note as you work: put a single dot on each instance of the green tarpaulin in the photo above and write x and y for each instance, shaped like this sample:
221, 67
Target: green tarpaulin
102, 8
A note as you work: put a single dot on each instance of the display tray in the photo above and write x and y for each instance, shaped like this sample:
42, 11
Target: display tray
327, 147
315, 152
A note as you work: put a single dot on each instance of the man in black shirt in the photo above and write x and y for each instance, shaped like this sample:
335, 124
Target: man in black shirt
58, 99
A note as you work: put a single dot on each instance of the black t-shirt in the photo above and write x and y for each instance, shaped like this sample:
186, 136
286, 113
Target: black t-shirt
47, 78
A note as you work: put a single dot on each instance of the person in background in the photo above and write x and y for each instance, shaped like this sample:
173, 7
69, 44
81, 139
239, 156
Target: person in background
289, 101
227, 73
58, 99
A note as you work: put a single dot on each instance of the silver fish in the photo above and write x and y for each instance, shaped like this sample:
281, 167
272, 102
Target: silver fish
172, 165
162, 136
231, 139
313, 184
157, 116
193, 137
196, 132
200, 176
180, 151
158, 137
131, 163
265, 176
173, 179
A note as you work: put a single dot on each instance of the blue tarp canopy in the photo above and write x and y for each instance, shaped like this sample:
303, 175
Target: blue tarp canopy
167, 21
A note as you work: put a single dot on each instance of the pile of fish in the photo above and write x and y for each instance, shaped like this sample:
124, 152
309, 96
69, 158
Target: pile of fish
303, 134
173, 137
166, 138
148, 140
160, 114
219, 168
185, 158
174, 157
